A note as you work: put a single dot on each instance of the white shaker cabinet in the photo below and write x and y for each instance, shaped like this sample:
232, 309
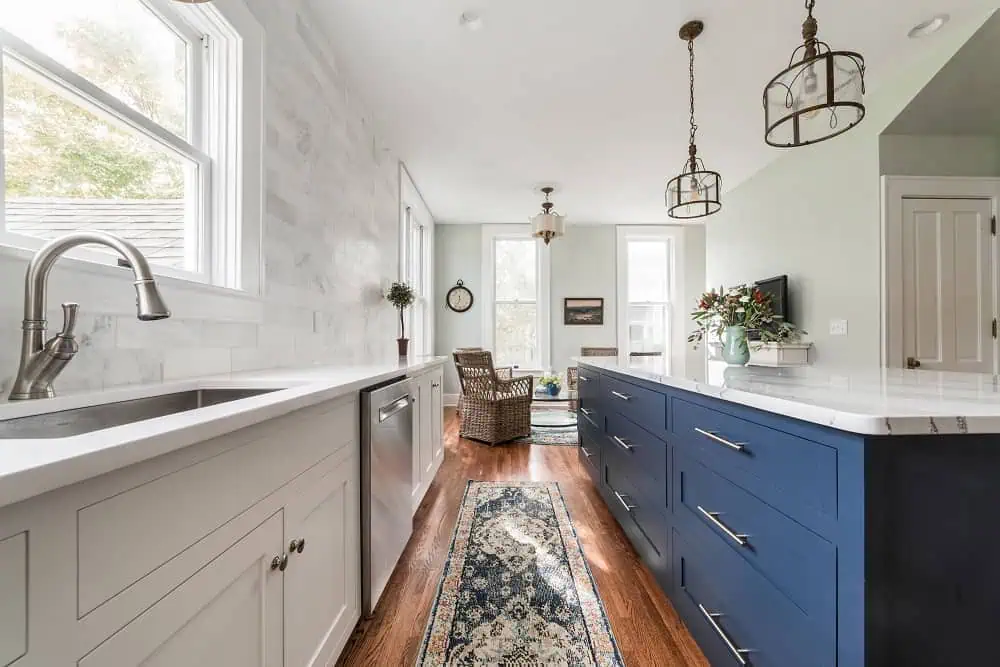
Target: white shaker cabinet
428, 441
192, 558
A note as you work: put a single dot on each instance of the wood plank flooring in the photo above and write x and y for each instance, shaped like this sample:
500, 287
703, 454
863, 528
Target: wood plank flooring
647, 628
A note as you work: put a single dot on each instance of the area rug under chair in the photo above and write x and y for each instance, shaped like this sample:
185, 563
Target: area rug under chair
550, 435
516, 589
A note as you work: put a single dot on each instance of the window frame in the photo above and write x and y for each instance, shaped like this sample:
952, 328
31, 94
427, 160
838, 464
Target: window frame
674, 238
543, 291
225, 117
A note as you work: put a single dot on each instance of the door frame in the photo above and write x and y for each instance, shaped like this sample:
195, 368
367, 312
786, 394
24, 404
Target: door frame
895, 189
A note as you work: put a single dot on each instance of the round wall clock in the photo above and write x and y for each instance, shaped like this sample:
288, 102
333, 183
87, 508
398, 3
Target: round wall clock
460, 298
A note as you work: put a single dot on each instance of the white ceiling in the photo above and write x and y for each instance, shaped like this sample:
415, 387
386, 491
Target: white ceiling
964, 97
590, 95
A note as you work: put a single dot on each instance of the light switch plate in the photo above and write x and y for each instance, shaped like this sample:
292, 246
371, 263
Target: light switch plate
838, 327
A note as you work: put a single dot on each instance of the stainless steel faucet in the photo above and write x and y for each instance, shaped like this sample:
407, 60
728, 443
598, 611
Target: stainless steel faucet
41, 360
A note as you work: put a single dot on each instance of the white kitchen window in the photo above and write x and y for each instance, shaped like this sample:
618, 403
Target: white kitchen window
645, 292
418, 262
516, 280
131, 117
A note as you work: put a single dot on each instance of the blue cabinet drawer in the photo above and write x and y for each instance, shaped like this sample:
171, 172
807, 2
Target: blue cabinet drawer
585, 414
588, 385
640, 456
801, 564
646, 526
736, 615
590, 450
796, 475
644, 406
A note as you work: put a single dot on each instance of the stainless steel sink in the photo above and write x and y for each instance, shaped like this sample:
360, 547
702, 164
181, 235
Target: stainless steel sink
67, 423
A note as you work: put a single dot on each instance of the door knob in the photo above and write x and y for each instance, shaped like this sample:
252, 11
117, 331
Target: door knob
912, 363
279, 562
297, 546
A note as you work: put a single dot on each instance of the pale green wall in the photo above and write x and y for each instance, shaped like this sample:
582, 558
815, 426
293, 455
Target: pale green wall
814, 213
913, 155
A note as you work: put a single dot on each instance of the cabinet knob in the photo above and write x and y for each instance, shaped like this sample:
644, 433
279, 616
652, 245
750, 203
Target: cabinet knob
297, 546
279, 562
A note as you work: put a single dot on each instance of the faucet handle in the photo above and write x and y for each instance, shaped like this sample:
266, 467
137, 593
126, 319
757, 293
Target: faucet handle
70, 311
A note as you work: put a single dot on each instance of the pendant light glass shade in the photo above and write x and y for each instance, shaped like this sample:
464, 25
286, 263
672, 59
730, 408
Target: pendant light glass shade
548, 225
819, 96
697, 192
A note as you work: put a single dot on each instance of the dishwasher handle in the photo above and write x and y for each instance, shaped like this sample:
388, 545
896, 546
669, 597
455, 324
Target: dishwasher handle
387, 411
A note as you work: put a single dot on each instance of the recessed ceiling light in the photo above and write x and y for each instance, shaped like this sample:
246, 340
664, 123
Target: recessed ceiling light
928, 27
470, 21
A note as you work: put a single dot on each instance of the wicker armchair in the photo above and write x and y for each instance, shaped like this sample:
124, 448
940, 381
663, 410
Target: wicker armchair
494, 410
503, 373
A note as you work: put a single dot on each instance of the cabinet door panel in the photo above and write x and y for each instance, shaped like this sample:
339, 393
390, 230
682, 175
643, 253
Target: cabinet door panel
229, 614
322, 583
426, 408
437, 418
13, 598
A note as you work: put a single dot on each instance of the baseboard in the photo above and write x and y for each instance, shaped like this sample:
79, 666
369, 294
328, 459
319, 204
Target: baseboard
450, 400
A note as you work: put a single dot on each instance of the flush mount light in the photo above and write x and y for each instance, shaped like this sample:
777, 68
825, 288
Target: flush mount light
470, 21
928, 27
695, 193
818, 96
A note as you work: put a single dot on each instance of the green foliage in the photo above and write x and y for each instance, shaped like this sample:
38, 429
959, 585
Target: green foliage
550, 380
745, 306
400, 295
55, 148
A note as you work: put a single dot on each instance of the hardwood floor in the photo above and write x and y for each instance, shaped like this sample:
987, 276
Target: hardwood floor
647, 628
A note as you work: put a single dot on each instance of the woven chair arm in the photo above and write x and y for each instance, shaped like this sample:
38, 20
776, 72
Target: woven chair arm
518, 388
505, 373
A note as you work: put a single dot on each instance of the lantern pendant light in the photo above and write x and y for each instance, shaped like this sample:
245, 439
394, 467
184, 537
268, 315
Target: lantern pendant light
819, 96
696, 192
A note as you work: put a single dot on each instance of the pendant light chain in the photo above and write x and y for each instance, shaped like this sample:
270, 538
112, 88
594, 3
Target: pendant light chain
692, 147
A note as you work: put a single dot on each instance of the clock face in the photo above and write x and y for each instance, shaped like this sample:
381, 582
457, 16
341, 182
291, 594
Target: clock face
459, 299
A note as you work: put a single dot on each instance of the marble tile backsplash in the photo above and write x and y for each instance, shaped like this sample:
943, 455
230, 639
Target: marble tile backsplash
330, 240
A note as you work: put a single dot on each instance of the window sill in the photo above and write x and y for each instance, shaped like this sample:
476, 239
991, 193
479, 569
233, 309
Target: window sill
78, 265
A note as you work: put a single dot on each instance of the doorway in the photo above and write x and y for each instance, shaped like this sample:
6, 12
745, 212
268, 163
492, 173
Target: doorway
940, 273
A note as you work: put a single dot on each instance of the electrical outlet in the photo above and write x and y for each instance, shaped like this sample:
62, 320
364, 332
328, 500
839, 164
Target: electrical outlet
838, 327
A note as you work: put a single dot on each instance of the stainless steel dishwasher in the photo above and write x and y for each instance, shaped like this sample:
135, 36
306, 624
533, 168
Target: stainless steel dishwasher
386, 483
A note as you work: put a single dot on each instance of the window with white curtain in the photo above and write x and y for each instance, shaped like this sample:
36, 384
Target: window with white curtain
516, 276
124, 116
645, 274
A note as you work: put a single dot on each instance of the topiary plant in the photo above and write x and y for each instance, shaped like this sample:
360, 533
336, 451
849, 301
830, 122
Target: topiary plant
401, 296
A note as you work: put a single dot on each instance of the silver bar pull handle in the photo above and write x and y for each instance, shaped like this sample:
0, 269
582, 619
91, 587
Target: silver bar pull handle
624, 397
586, 411
622, 443
583, 378
396, 406
585, 452
739, 538
737, 652
738, 446
621, 499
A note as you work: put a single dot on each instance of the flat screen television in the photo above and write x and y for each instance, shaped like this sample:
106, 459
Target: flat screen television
777, 289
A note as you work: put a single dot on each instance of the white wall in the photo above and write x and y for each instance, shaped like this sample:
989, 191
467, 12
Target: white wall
329, 243
583, 264
814, 213
925, 155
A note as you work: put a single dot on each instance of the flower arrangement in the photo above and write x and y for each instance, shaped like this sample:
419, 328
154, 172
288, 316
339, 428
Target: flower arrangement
551, 383
741, 306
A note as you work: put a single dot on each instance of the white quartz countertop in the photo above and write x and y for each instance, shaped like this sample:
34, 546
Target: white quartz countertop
883, 401
31, 467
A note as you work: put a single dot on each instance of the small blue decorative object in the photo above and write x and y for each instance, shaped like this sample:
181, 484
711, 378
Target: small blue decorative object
553, 389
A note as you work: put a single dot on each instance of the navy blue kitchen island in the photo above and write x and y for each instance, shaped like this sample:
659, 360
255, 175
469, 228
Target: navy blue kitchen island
798, 519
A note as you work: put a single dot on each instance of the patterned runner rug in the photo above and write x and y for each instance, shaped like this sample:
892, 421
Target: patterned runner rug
516, 589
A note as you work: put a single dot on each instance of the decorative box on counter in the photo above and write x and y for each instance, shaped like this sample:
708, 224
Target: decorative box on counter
779, 354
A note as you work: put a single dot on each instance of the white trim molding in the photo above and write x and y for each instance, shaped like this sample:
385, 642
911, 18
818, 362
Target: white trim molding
543, 287
896, 189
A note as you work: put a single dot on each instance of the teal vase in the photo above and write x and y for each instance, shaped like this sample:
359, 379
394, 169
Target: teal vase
735, 349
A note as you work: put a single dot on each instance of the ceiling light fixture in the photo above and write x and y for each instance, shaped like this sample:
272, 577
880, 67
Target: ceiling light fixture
548, 225
193, 2
928, 27
819, 96
470, 21
695, 193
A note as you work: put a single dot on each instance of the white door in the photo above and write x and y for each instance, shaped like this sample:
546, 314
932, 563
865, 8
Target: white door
948, 291
229, 614
322, 582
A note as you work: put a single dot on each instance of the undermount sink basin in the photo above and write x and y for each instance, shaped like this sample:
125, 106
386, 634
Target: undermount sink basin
66, 423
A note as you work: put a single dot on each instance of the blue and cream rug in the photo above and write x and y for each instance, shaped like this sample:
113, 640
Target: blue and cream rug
516, 589
561, 435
